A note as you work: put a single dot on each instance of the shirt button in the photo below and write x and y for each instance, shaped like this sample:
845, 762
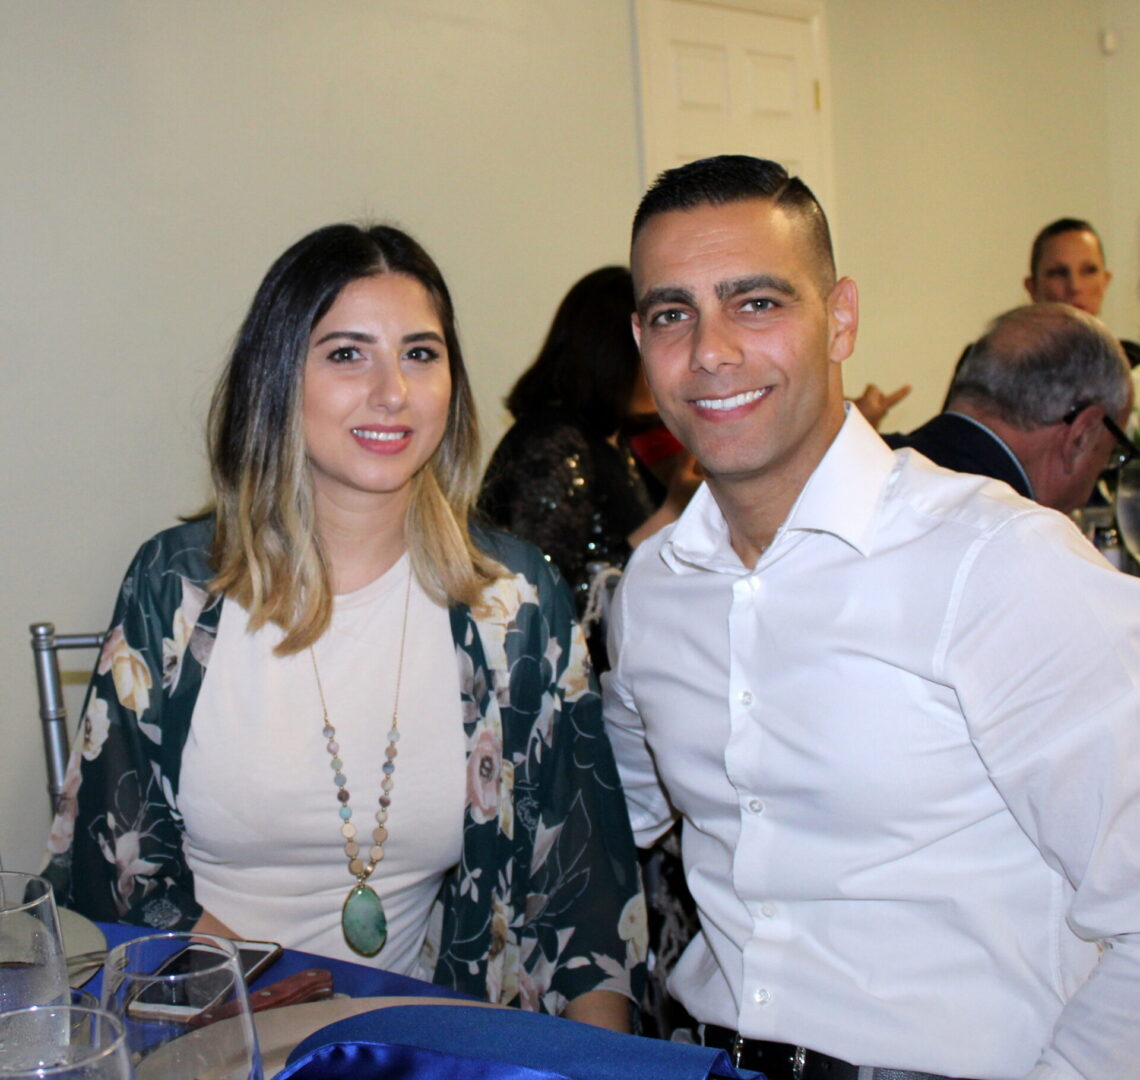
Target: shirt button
756, 806
746, 697
761, 997
768, 911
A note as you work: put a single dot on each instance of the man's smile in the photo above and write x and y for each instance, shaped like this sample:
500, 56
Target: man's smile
746, 397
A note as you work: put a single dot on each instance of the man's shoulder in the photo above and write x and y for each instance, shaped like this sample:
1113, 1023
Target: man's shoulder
971, 501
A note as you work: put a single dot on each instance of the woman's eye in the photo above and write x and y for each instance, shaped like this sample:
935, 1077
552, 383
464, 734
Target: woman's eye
344, 354
422, 353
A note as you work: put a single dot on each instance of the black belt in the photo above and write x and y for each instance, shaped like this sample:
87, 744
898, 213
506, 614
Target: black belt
782, 1061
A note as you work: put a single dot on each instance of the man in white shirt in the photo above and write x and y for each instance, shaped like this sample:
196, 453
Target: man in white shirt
897, 708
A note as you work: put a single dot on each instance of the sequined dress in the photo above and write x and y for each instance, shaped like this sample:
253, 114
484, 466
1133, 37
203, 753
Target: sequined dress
572, 494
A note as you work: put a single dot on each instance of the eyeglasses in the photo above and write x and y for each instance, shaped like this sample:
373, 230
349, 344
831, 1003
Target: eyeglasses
1125, 449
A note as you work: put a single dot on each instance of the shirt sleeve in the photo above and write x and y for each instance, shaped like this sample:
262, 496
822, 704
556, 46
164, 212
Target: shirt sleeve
116, 843
650, 812
1054, 717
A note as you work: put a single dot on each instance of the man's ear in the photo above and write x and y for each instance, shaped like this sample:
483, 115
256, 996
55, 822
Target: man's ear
1080, 437
635, 322
1031, 287
842, 319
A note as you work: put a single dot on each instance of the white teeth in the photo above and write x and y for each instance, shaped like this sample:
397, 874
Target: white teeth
734, 402
379, 436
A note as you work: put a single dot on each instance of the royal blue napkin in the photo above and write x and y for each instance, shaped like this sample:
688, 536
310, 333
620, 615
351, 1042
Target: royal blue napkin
449, 1042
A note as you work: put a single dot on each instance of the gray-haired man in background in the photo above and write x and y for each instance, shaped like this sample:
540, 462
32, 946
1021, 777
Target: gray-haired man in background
1040, 401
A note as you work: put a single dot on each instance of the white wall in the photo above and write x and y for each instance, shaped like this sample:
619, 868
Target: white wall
158, 154
1122, 94
961, 128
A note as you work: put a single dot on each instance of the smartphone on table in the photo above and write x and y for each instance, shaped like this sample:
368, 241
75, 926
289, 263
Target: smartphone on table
158, 1000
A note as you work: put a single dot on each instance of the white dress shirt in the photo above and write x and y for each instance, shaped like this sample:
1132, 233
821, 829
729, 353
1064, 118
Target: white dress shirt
906, 750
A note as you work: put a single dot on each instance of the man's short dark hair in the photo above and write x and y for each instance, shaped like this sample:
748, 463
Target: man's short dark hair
1055, 228
731, 178
1035, 363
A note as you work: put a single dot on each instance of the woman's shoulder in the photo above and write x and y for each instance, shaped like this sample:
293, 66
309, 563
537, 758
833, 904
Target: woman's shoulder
515, 555
182, 549
544, 582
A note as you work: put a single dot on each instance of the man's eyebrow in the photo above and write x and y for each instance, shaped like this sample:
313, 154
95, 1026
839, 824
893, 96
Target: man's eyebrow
725, 290
664, 294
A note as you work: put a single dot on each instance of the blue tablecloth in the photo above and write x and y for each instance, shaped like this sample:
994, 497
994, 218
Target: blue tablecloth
411, 1043
354, 980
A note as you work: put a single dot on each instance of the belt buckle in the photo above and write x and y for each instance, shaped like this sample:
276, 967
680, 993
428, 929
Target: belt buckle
799, 1063
737, 1049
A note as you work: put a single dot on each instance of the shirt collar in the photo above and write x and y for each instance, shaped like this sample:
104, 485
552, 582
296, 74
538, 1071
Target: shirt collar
841, 498
1002, 443
843, 495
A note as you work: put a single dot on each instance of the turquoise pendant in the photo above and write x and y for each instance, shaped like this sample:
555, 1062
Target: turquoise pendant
363, 921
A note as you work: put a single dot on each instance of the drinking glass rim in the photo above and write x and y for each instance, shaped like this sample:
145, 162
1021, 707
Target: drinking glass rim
121, 951
116, 1045
48, 894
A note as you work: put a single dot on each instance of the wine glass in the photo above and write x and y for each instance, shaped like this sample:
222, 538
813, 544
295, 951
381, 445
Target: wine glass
62, 1042
183, 1002
1128, 507
33, 965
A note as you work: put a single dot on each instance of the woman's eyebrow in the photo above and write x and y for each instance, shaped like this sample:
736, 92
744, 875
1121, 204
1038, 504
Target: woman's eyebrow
351, 335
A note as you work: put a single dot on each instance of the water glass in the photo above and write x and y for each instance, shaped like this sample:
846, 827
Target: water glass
184, 1005
1128, 507
33, 966
62, 1042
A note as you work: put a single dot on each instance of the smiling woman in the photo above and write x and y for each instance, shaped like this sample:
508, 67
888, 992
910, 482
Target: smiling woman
333, 608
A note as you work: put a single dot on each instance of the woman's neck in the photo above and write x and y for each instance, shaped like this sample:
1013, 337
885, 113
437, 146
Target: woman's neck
360, 542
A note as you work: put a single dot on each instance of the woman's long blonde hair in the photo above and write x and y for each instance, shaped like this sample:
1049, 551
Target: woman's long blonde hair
266, 553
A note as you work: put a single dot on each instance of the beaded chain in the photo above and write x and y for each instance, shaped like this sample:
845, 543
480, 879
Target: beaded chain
357, 867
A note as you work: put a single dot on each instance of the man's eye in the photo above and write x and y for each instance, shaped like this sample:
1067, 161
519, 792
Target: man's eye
665, 318
759, 303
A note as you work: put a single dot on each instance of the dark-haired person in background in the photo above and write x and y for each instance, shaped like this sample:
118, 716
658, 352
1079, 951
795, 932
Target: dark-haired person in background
562, 477
257, 645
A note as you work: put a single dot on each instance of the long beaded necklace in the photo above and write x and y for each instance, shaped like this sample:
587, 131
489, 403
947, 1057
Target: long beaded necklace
362, 918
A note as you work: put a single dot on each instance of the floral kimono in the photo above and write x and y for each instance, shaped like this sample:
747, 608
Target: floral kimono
544, 904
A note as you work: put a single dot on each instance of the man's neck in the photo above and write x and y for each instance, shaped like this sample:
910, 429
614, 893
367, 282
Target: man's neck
754, 508
756, 504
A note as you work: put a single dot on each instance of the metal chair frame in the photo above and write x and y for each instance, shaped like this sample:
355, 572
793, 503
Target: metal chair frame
46, 644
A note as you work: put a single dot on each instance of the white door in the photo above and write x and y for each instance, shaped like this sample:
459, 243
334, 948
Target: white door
735, 77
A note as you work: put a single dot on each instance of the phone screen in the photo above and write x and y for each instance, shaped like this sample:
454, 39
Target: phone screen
190, 993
